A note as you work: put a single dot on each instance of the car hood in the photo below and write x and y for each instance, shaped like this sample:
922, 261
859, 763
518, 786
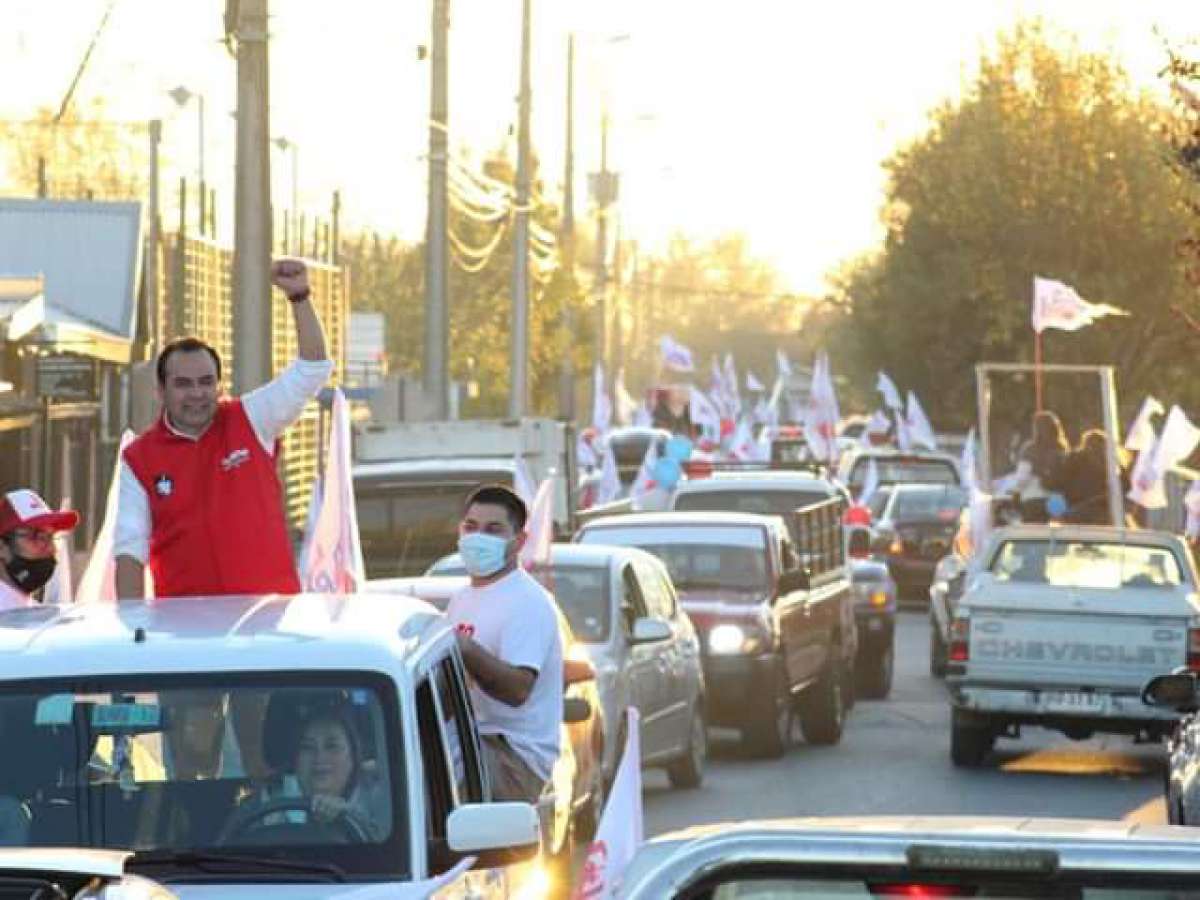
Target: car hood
723, 603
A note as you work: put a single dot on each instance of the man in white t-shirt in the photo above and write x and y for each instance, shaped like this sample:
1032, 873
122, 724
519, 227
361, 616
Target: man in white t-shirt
509, 638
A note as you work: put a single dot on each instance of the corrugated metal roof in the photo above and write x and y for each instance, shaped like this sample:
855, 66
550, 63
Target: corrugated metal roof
90, 254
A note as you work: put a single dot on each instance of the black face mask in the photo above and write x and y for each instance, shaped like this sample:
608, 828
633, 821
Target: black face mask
29, 574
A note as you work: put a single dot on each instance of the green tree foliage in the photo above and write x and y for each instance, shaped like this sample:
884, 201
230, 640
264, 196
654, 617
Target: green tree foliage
1049, 165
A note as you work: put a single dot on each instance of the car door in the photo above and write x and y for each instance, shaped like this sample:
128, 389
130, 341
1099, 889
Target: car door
791, 613
668, 658
645, 679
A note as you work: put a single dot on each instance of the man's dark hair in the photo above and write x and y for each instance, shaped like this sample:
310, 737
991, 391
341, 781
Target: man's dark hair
499, 495
184, 345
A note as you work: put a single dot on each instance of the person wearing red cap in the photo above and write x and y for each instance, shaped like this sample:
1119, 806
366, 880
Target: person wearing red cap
199, 500
27, 527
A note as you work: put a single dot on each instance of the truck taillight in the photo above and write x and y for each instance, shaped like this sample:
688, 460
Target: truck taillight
960, 641
1193, 651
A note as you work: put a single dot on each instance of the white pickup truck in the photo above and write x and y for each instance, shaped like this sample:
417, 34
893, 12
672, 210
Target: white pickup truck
1060, 626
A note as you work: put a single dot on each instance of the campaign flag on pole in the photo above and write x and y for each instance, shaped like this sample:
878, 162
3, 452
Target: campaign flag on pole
621, 829
753, 385
784, 364
585, 456
539, 529
705, 414
870, 484
98, 584
919, 429
676, 356
609, 487
644, 482
878, 424
626, 407
1141, 432
967, 463
335, 562
523, 483
822, 416
601, 404
1058, 305
1191, 502
732, 394
891, 396
1178, 439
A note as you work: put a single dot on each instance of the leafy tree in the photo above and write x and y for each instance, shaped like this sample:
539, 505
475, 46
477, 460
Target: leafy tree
1049, 165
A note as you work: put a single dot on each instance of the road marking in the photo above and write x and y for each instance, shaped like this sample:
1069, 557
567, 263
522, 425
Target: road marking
1152, 812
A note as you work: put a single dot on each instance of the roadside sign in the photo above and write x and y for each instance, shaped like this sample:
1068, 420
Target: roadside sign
66, 377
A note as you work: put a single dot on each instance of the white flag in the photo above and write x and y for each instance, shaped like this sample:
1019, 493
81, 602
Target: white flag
98, 584
626, 407
585, 457
705, 414
523, 483
1191, 502
919, 429
539, 529
1178, 439
732, 396
870, 484
335, 562
1141, 432
601, 404
821, 416
676, 356
891, 396
644, 482
1057, 305
753, 384
784, 365
60, 589
979, 517
621, 829
609, 487
967, 464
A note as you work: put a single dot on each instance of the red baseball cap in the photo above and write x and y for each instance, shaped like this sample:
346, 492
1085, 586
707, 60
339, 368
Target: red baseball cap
25, 509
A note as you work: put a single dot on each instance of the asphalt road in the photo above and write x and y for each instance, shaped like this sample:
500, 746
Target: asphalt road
894, 758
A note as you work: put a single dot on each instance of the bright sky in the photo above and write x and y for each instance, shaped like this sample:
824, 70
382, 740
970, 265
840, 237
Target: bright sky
769, 117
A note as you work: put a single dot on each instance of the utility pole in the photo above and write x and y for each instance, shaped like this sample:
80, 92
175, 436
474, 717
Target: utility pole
153, 237
252, 199
519, 388
604, 193
437, 253
566, 240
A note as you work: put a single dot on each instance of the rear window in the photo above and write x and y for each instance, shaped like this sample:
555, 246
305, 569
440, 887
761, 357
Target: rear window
750, 500
904, 470
1086, 564
929, 505
630, 450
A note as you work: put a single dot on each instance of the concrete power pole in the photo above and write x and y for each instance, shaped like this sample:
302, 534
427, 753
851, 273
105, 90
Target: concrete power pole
153, 240
518, 397
566, 240
437, 254
604, 194
252, 199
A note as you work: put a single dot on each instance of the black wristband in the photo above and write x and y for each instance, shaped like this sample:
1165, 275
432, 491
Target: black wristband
300, 297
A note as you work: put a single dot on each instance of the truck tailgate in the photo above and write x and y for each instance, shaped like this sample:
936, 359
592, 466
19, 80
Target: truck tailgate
1097, 643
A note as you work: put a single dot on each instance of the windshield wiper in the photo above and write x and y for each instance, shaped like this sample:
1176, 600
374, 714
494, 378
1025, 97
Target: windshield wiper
203, 861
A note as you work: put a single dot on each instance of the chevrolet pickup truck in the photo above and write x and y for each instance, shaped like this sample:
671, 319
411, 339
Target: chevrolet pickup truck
1060, 626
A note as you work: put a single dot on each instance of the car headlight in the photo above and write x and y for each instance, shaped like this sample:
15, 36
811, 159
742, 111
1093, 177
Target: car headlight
728, 639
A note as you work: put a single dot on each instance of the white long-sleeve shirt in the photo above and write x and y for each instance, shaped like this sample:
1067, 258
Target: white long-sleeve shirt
270, 409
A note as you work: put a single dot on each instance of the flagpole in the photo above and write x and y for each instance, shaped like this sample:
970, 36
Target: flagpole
1037, 368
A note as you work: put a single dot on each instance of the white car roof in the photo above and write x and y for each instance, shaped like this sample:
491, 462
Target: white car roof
209, 634
697, 519
763, 479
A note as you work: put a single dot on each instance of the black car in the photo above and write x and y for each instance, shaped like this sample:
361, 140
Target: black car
914, 529
1181, 780
874, 594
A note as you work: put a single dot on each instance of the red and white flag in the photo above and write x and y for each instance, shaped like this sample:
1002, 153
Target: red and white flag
1178, 439
98, 584
821, 416
704, 413
621, 831
539, 529
1058, 305
917, 424
335, 560
644, 482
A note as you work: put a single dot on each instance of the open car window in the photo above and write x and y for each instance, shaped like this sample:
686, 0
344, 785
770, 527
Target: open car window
162, 763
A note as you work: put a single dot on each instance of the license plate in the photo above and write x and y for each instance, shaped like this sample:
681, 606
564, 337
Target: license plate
1074, 702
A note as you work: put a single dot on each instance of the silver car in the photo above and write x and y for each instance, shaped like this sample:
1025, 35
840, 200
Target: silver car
622, 607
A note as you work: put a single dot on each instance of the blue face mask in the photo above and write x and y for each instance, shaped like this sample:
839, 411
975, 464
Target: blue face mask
483, 555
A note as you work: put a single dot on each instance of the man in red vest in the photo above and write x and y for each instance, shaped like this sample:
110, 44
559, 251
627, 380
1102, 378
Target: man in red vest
199, 498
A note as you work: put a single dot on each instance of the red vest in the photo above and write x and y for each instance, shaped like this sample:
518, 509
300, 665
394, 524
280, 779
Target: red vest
216, 510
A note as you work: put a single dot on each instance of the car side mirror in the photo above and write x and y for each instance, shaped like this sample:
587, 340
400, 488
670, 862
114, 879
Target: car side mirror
496, 833
1176, 691
576, 710
794, 580
649, 630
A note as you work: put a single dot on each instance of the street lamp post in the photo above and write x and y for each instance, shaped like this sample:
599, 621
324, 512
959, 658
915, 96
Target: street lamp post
294, 219
181, 95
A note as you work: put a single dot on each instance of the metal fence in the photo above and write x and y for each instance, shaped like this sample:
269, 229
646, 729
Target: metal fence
196, 298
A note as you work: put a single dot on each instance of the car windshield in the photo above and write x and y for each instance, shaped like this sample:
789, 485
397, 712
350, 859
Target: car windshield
722, 558
906, 470
1086, 564
928, 504
761, 501
236, 765
580, 591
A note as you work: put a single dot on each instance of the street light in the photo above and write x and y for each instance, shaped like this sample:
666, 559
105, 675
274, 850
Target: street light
284, 145
181, 95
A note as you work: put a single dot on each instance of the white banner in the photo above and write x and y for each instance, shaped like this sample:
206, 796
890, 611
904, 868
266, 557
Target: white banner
1141, 432
335, 560
676, 356
1058, 305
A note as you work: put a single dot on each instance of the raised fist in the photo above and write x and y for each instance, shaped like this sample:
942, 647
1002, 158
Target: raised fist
290, 276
